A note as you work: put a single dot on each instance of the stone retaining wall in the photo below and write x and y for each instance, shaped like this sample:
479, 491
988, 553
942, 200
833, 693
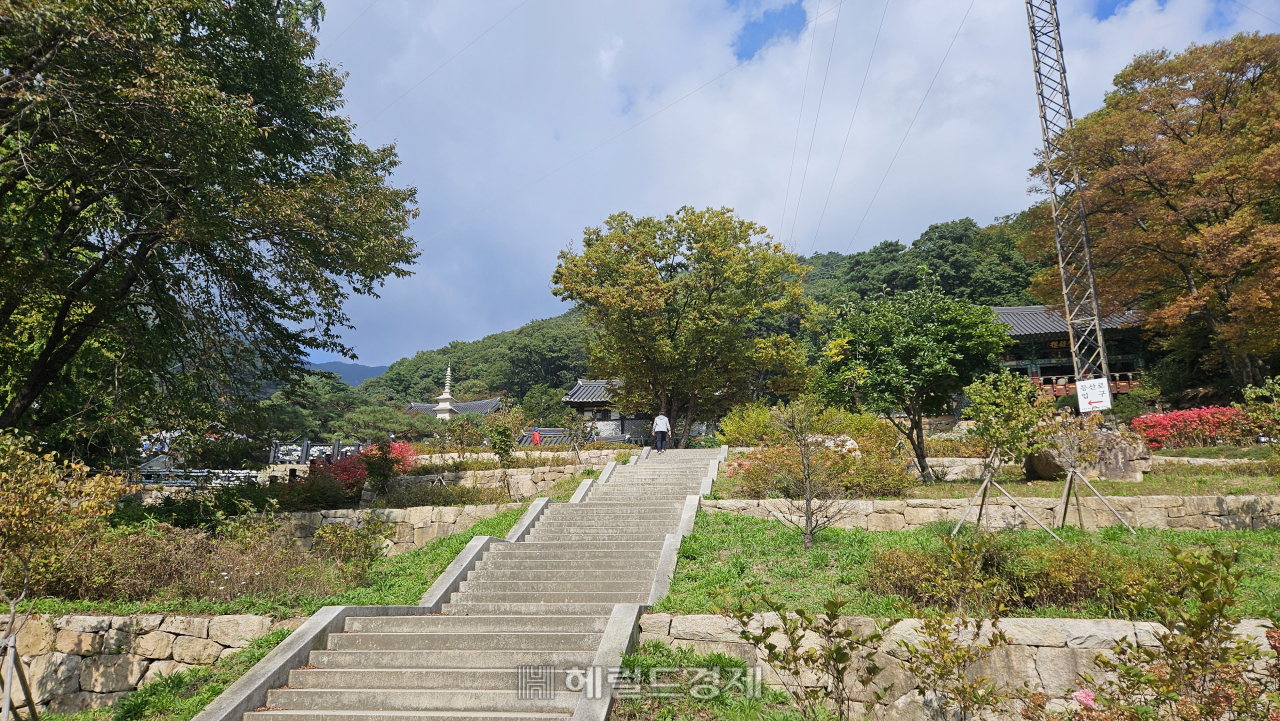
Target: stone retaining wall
590, 458
1161, 512
1045, 654
74, 663
522, 482
414, 527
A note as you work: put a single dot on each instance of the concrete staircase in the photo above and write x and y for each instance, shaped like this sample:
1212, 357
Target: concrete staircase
542, 602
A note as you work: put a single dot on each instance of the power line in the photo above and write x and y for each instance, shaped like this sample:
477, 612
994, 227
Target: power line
446, 62
856, 104
635, 125
795, 144
348, 27
1255, 12
817, 116
791, 237
909, 126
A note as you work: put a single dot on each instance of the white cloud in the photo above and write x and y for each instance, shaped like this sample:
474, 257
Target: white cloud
561, 76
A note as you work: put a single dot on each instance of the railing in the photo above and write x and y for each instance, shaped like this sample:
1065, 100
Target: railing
303, 452
1066, 385
191, 478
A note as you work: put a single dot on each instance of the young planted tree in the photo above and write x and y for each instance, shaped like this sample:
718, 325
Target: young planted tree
184, 220
906, 356
812, 483
672, 303
1009, 414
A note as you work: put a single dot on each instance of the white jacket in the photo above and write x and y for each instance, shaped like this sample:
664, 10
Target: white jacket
661, 424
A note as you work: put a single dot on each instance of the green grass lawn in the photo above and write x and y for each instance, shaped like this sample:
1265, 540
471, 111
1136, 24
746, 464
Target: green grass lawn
394, 581
1258, 452
727, 551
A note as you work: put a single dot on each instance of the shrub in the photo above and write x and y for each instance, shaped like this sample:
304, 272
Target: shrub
869, 474
745, 425
251, 555
353, 471
1262, 407
1207, 426
1197, 668
353, 545
984, 572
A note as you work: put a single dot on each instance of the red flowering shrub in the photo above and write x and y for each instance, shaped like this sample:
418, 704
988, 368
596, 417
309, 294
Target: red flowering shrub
1207, 426
352, 472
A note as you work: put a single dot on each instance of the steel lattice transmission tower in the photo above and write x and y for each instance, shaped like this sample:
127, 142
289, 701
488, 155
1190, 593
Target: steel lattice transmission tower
1079, 291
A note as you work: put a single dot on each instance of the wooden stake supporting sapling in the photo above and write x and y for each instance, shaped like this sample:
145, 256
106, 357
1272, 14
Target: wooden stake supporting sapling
1074, 445
1009, 415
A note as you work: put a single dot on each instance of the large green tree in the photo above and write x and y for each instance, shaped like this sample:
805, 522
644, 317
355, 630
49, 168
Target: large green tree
907, 355
673, 303
183, 210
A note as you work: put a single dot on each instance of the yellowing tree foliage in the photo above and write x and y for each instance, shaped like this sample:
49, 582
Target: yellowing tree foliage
679, 308
46, 505
1182, 171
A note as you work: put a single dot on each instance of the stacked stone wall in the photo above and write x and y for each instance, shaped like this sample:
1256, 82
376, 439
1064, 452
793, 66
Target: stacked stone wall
412, 527
1044, 654
1159, 512
74, 663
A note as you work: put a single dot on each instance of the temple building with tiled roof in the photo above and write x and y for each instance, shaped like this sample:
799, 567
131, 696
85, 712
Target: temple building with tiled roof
1042, 351
592, 401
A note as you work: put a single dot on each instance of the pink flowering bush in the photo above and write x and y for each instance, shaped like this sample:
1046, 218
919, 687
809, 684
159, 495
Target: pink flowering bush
1207, 426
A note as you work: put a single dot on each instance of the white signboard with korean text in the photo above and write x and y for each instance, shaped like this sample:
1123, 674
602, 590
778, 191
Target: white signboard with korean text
1093, 394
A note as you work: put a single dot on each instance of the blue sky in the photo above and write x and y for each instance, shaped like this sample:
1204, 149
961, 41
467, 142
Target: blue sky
521, 122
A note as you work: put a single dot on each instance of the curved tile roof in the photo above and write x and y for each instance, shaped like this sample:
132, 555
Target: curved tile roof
483, 407
1039, 320
590, 391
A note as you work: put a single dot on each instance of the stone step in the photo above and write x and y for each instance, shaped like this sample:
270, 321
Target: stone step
544, 574
413, 678
636, 585
331, 715
486, 641
517, 609
416, 700
455, 659
594, 513
573, 565
526, 546
605, 522
550, 536
487, 624
552, 597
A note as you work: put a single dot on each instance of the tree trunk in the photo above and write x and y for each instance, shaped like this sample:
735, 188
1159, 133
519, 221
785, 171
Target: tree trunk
917, 446
808, 517
688, 419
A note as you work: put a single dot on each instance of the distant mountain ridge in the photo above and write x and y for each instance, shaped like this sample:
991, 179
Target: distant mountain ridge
353, 374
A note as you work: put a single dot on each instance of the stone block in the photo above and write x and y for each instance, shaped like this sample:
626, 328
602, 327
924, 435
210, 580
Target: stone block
1034, 631
85, 624
886, 522
229, 652
426, 534
851, 521
1095, 633
84, 701
303, 544
193, 650
921, 516
1060, 668
110, 673
117, 641
888, 507
54, 674
419, 515
80, 644
734, 504
145, 623
163, 668
1150, 518
36, 636
705, 628
656, 623
186, 626
1009, 666
1161, 501
238, 631
1147, 631
1193, 521
907, 630
157, 645
486, 511
390, 515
